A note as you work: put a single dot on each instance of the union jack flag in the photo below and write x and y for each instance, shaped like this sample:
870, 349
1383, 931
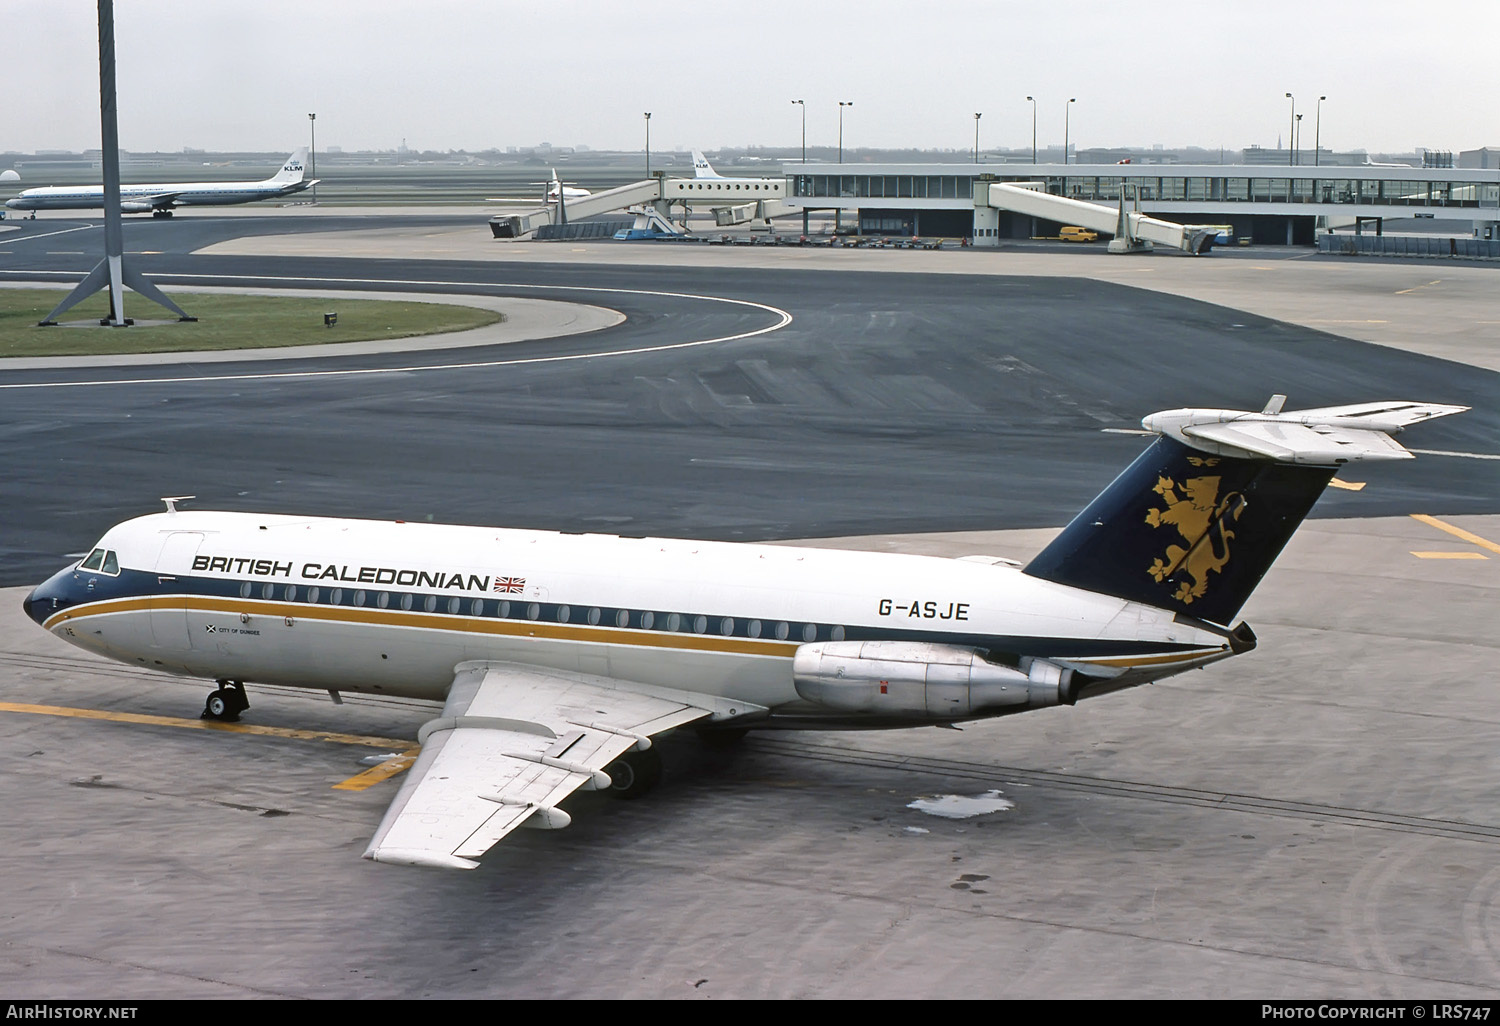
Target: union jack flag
510, 585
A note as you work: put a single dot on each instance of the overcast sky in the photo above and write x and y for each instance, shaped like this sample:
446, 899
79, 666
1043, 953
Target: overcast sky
441, 74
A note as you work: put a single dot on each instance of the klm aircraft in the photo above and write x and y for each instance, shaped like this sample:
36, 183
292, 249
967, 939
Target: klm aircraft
159, 200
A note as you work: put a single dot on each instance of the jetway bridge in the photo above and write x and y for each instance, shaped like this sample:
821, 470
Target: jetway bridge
1133, 231
733, 200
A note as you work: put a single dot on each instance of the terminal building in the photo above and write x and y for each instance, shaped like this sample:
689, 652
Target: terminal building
1265, 204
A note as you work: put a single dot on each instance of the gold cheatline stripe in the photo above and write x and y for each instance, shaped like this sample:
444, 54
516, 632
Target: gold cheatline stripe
1146, 660
232, 728
447, 622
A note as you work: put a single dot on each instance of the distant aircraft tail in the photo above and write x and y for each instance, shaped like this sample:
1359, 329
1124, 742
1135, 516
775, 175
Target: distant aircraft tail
1196, 521
292, 168
701, 167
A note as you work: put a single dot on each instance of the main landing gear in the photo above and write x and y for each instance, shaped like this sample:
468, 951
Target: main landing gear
227, 702
161, 213
634, 773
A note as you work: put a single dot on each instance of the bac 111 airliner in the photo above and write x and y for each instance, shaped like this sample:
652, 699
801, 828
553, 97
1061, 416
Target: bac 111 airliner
559, 656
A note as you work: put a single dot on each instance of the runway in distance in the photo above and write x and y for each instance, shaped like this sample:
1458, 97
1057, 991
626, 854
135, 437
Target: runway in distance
559, 656
159, 200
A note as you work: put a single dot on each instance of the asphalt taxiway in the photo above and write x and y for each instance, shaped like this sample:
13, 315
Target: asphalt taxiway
1316, 818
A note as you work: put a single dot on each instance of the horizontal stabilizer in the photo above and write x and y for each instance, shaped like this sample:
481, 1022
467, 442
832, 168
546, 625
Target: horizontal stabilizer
1297, 443
1325, 437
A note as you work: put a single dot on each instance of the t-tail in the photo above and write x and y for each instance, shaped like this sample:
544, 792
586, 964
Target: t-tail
1196, 521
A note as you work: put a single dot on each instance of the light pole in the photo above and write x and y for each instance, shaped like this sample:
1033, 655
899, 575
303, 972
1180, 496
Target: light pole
648, 144
842, 105
1067, 114
1033, 128
1318, 130
803, 105
977, 116
1293, 130
1297, 142
312, 126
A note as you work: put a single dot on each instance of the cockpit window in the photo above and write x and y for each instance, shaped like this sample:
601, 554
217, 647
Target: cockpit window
111, 564
92, 562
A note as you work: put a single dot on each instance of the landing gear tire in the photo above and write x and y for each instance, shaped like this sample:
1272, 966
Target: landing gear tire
226, 703
634, 773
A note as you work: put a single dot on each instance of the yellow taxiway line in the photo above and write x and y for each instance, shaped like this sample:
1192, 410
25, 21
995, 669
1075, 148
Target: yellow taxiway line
367, 778
1457, 532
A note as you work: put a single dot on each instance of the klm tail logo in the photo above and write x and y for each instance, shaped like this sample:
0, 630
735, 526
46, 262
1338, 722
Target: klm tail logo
1203, 521
292, 167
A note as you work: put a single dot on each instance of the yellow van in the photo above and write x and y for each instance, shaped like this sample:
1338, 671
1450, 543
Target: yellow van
1072, 233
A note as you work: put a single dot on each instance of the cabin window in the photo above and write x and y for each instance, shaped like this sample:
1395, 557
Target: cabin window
647, 619
453, 604
837, 634
431, 604
337, 598
593, 615
477, 609
752, 629
245, 589
290, 594
267, 590
674, 621
406, 600
622, 618
383, 599
359, 598
726, 626
810, 632
312, 594
782, 629
533, 611
564, 614
700, 624
502, 608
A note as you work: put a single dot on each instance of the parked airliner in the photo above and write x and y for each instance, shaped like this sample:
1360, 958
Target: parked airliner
559, 656
554, 188
158, 200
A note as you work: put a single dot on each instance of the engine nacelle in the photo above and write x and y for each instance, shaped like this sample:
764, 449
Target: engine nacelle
909, 679
135, 207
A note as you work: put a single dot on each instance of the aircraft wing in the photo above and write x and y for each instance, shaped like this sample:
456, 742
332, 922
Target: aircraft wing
512, 742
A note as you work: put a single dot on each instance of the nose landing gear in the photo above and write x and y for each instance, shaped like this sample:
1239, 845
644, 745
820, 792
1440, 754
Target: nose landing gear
226, 704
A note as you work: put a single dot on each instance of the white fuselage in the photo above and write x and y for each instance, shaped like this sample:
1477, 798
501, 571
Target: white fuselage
133, 197
392, 607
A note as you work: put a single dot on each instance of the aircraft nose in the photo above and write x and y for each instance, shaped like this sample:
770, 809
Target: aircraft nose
47, 597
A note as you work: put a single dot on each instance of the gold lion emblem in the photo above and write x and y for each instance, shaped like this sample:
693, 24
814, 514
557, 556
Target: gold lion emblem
1197, 513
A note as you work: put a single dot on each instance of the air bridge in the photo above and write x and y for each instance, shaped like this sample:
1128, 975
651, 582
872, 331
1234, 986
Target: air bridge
734, 201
